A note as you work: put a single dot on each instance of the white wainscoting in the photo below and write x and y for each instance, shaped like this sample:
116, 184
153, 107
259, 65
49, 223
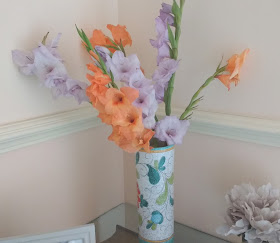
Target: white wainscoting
24, 133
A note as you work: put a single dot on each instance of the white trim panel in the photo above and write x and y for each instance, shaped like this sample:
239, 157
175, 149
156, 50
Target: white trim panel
248, 129
24, 133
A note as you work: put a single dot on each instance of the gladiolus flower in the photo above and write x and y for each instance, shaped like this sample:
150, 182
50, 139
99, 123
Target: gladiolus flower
130, 141
124, 67
233, 68
171, 130
120, 35
99, 78
98, 39
93, 68
131, 93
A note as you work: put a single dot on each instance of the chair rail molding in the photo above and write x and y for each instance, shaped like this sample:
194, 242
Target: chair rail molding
249, 129
242, 128
24, 133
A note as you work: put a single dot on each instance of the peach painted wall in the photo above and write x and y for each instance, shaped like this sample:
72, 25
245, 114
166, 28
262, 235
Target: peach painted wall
66, 181
60, 183
23, 24
206, 167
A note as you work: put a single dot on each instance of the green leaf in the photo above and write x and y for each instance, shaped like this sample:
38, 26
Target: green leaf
156, 164
137, 157
140, 220
153, 175
45, 38
122, 48
143, 203
171, 201
154, 227
113, 42
137, 174
220, 64
171, 179
176, 10
113, 47
163, 197
161, 163
171, 37
79, 32
86, 40
149, 225
102, 63
182, 3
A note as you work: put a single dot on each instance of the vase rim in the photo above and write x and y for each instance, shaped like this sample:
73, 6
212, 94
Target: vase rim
160, 150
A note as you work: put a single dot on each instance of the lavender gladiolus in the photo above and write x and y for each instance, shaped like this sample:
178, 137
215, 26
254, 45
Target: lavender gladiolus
166, 14
46, 63
138, 81
24, 60
77, 89
162, 33
171, 130
163, 52
160, 89
105, 55
147, 102
124, 67
165, 70
162, 75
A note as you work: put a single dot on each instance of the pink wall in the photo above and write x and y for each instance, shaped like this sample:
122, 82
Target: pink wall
60, 183
206, 167
66, 181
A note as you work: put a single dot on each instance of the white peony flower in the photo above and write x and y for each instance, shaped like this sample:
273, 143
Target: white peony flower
253, 213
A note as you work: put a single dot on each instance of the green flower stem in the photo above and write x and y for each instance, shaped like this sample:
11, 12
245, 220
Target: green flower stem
168, 95
174, 54
195, 100
101, 62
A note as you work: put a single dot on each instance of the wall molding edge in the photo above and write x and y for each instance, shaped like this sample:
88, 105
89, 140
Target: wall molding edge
248, 129
241, 128
24, 133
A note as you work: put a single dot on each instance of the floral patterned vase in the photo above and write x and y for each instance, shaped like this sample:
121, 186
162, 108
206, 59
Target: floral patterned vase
155, 176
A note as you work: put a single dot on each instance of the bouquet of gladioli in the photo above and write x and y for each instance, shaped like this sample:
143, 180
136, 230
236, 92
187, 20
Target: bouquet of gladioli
130, 109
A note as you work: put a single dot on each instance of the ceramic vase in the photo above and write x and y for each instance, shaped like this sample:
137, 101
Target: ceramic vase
155, 190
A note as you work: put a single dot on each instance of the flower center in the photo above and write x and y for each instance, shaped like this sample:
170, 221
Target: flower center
171, 132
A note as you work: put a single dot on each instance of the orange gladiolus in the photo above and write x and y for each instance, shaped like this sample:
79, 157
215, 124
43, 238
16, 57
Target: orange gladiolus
120, 34
134, 142
132, 120
233, 68
93, 68
99, 78
98, 39
131, 93
118, 106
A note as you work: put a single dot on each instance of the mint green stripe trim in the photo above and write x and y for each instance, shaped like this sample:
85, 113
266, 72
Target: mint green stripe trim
162, 148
